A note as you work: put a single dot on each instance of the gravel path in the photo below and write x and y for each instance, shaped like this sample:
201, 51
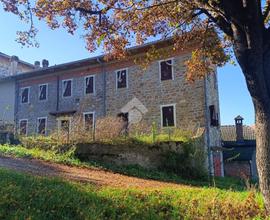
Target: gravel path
94, 176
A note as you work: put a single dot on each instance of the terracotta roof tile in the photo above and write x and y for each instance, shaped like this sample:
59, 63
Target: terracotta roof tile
228, 132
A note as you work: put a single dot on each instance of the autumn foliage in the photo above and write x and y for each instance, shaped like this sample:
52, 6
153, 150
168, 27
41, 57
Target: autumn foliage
116, 25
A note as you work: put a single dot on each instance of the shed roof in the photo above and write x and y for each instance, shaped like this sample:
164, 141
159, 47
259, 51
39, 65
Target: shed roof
228, 133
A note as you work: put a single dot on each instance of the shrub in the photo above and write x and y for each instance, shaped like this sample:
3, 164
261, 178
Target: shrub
45, 143
188, 162
109, 128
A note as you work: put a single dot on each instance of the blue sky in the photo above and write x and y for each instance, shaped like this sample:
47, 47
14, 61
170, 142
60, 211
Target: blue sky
58, 46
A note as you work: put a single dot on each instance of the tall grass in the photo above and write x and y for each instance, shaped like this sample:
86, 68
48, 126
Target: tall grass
68, 158
36, 198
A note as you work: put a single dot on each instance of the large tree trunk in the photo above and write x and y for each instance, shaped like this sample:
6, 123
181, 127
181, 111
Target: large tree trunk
255, 64
263, 150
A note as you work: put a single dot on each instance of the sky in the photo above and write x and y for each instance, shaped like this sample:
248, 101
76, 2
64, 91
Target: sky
58, 47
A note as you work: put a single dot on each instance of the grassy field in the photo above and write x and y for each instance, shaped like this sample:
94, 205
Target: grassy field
68, 158
28, 197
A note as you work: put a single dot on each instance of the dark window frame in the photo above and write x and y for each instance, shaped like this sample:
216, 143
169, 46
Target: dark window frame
26, 127
63, 89
28, 95
84, 119
214, 117
46, 92
170, 124
64, 129
44, 132
93, 87
161, 74
117, 72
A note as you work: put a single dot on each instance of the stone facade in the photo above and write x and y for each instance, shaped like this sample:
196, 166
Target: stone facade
9, 66
145, 85
213, 134
191, 101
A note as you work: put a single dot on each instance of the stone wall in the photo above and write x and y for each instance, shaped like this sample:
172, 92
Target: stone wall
237, 169
214, 135
143, 155
145, 85
79, 101
7, 88
142, 84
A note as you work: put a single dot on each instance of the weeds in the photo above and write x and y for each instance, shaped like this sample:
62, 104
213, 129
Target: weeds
42, 198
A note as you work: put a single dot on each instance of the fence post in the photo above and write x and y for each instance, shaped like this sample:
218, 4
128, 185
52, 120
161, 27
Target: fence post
154, 129
94, 132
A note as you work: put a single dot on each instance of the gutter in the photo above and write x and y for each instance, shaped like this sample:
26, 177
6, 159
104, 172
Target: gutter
104, 74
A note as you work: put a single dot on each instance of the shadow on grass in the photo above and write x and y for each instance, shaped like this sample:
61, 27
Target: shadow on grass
29, 197
226, 183
38, 198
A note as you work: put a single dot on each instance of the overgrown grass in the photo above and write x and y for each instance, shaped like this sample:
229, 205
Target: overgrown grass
69, 158
27, 197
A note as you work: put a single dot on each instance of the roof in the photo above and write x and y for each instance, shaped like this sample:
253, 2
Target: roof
239, 117
228, 133
239, 153
20, 61
97, 60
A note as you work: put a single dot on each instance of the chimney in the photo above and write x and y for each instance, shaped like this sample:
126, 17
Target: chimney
37, 64
239, 128
45, 63
13, 65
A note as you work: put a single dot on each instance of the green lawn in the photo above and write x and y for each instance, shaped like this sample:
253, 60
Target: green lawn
68, 158
28, 197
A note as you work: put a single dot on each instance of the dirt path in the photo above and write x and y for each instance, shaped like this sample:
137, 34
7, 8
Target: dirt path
93, 176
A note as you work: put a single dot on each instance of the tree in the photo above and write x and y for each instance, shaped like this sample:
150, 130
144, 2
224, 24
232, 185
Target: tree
241, 27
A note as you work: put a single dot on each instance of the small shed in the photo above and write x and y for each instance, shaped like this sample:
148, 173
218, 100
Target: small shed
239, 155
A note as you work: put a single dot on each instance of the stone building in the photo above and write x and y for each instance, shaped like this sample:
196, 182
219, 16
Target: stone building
10, 66
48, 98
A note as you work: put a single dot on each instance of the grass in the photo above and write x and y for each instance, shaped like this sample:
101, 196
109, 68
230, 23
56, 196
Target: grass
69, 158
28, 197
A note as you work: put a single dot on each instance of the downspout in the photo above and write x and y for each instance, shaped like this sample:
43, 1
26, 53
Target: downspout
207, 119
103, 70
57, 93
16, 108
221, 152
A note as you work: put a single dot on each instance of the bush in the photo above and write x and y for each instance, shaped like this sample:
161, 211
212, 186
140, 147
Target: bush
44, 143
189, 162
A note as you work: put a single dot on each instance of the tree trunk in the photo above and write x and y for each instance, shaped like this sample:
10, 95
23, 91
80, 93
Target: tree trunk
263, 150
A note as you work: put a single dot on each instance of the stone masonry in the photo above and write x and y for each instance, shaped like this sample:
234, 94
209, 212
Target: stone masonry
191, 100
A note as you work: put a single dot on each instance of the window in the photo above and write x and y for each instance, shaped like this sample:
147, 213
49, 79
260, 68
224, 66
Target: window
25, 95
67, 88
166, 70
213, 116
65, 125
43, 92
23, 126
121, 79
88, 119
168, 115
41, 126
89, 84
